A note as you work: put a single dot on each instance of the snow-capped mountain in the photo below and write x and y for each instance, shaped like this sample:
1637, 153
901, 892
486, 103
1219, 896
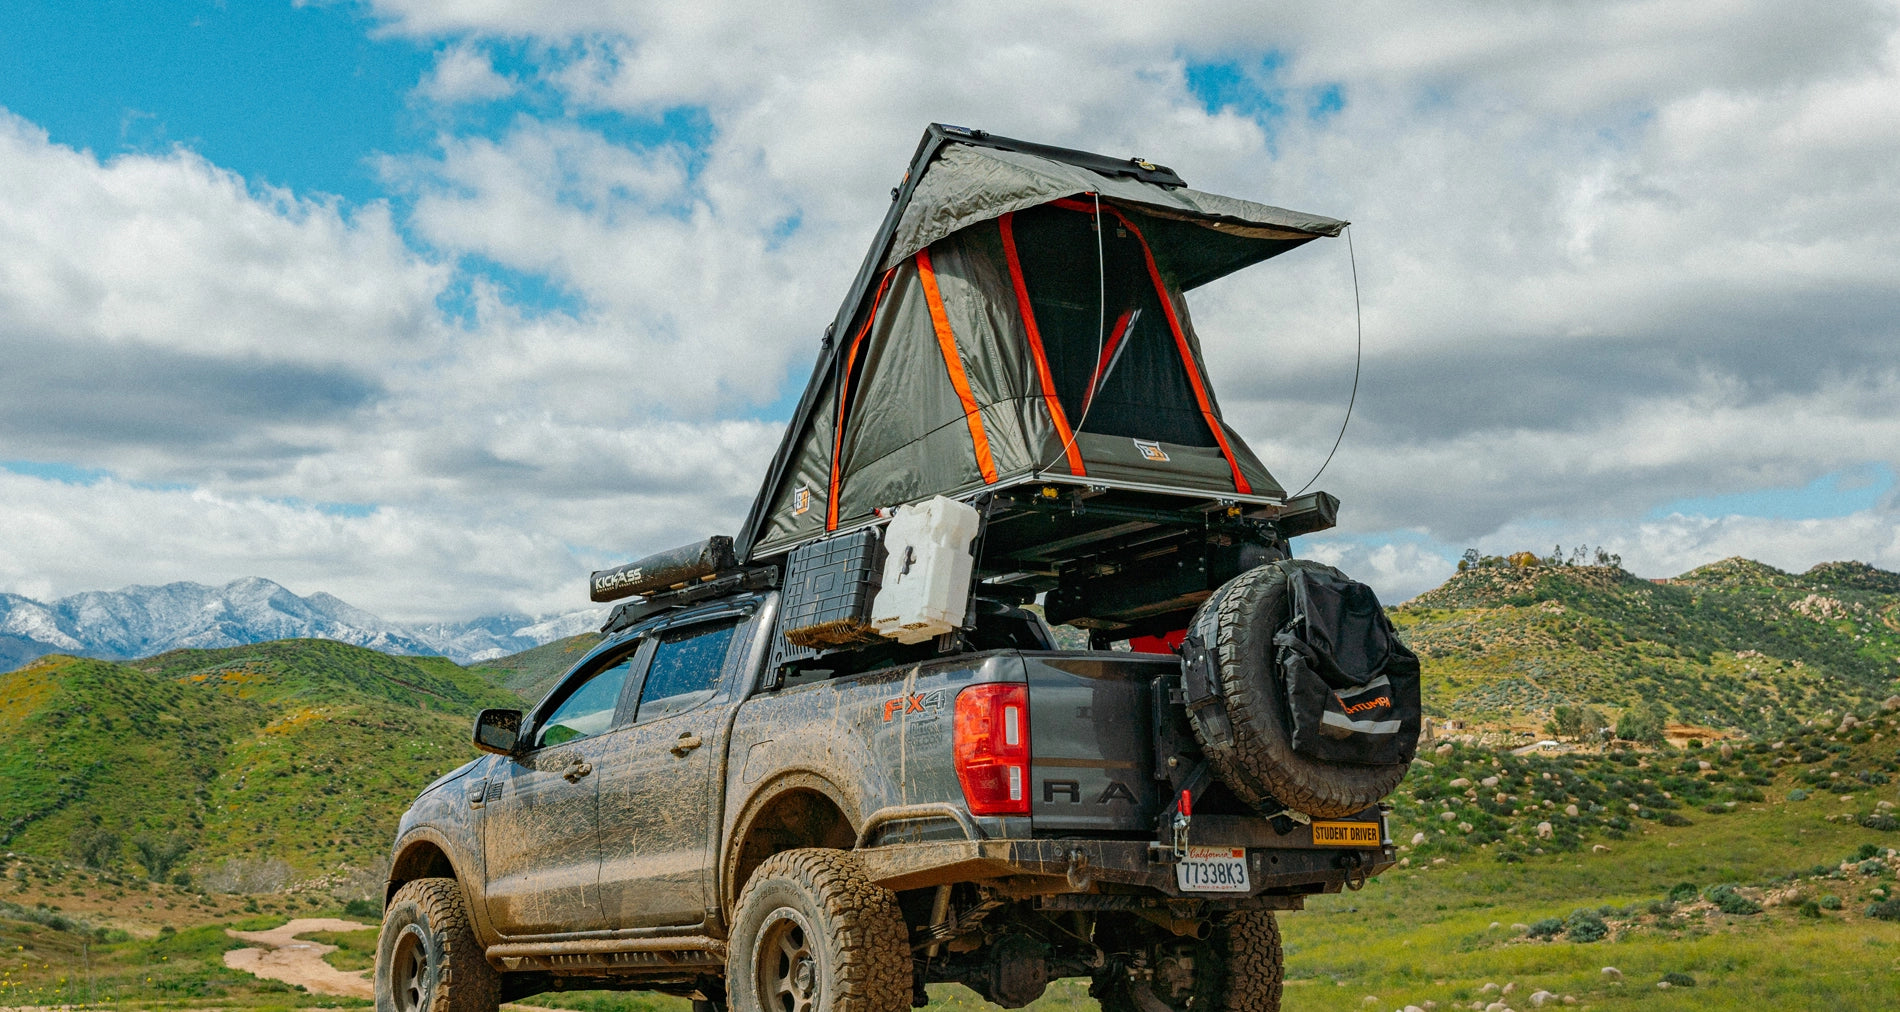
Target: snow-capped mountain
141, 621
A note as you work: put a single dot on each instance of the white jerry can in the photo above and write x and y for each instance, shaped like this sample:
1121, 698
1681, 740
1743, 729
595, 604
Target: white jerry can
927, 571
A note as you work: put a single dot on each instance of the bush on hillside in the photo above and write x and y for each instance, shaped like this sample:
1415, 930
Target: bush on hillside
95, 847
1586, 926
1549, 927
1885, 910
1727, 900
1643, 722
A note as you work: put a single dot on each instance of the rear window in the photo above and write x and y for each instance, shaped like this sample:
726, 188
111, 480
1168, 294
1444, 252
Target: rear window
685, 671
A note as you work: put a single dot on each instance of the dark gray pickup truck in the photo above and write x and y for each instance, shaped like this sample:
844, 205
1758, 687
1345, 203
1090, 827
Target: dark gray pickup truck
666, 819
836, 757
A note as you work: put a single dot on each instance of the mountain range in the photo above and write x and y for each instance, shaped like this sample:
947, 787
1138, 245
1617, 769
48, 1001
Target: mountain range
141, 621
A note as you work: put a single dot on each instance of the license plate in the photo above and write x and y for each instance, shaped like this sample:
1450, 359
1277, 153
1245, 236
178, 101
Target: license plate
1346, 834
1213, 870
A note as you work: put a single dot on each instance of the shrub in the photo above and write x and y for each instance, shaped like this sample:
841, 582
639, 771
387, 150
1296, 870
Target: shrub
1586, 926
362, 908
1672, 819
1660, 907
1678, 980
1809, 908
1830, 902
1885, 910
1727, 900
1684, 892
1642, 722
1549, 927
1867, 852
1797, 795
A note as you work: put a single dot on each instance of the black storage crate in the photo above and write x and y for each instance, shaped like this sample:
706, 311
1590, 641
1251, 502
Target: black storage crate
825, 603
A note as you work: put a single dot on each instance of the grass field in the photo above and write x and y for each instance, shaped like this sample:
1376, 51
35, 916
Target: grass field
1657, 846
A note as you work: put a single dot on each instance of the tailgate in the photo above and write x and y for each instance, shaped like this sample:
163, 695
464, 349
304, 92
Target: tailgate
1091, 736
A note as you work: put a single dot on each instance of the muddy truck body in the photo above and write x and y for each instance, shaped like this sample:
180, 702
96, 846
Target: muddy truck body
838, 757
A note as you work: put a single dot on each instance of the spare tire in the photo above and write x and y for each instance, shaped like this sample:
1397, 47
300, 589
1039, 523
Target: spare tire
1239, 702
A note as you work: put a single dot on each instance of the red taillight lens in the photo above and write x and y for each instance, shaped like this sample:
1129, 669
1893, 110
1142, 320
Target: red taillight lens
992, 743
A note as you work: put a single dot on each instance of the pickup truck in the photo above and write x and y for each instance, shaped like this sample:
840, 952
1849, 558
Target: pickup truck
677, 815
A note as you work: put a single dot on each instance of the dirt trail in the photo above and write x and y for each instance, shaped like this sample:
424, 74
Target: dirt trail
286, 957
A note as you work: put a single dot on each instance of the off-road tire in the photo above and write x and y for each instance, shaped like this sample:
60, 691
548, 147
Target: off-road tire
427, 958
1232, 635
1242, 961
817, 906
1249, 942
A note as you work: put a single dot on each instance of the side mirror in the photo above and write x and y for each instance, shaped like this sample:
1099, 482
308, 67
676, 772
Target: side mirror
498, 731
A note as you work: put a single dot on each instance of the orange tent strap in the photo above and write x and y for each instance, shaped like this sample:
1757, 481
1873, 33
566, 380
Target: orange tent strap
1034, 334
844, 392
947, 343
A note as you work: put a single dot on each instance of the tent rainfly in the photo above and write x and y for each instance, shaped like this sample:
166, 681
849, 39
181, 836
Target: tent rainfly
1021, 319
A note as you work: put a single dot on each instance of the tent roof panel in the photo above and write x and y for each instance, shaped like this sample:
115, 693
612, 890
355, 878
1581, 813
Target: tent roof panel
966, 185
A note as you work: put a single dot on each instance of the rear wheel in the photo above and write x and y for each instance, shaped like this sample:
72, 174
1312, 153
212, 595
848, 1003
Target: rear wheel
1239, 968
427, 958
813, 934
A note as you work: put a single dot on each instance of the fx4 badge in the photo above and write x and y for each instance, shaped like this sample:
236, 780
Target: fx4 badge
929, 704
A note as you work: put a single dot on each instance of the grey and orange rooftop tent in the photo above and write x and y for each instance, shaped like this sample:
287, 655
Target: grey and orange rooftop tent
1019, 333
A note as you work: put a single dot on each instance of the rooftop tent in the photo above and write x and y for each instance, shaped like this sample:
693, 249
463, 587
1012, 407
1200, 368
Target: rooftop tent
1021, 320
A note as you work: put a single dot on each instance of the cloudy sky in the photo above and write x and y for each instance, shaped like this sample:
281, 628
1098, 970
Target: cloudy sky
436, 305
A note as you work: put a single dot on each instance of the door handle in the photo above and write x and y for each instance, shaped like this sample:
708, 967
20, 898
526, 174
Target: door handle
576, 770
686, 743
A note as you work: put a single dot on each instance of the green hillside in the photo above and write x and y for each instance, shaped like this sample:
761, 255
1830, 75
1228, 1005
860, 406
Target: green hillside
1734, 646
532, 672
253, 765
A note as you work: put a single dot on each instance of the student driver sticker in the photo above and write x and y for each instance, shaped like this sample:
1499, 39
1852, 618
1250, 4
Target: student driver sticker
1151, 450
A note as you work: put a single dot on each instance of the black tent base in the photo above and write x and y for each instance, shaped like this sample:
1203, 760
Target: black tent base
1127, 561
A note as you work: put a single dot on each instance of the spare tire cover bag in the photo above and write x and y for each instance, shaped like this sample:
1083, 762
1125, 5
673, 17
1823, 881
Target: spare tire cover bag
1259, 706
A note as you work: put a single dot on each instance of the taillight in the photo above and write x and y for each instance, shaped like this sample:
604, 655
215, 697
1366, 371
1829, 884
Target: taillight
992, 744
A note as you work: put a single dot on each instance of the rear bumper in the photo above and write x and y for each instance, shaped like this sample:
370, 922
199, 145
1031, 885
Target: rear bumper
1280, 865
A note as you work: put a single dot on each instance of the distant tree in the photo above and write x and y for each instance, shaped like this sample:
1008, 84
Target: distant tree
1565, 722
160, 855
1469, 560
1591, 723
95, 847
1523, 560
1643, 722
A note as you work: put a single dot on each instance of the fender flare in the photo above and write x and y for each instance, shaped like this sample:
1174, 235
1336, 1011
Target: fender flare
777, 786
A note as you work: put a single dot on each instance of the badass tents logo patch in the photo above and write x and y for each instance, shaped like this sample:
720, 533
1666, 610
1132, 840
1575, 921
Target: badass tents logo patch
1151, 450
801, 501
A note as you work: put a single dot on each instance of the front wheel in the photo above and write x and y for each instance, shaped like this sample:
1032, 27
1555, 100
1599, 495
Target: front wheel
1239, 968
427, 958
813, 934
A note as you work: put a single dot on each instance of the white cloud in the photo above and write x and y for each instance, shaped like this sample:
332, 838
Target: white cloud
1612, 256
399, 563
464, 74
170, 251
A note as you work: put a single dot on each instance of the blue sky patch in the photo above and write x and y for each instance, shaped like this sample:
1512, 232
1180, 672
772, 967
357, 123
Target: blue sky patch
289, 95
1253, 89
1842, 493
68, 474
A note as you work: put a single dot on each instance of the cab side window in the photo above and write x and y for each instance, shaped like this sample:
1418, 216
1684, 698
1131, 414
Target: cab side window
588, 709
685, 670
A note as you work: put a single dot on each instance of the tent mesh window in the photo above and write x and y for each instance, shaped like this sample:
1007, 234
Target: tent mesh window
1103, 327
